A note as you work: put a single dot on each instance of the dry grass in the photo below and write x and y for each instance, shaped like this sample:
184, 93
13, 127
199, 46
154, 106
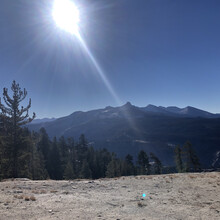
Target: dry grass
192, 176
141, 204
32, 198
39, 192
149, 177
18, 197
26, 198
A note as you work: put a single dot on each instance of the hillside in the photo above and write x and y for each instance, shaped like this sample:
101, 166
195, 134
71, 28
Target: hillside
128, 129
175, 196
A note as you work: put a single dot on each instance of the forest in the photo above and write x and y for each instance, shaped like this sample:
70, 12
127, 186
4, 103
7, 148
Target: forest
26, 154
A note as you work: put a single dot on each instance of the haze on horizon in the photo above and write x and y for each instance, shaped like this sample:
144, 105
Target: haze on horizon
161, 52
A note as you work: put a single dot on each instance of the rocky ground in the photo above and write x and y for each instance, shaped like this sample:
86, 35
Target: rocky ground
174, 196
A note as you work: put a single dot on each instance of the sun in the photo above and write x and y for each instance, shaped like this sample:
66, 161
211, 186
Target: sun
66, 15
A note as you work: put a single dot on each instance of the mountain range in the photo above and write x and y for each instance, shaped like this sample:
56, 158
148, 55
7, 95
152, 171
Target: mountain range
128, 129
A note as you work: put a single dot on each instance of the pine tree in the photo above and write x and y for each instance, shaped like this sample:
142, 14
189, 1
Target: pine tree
114, 167
81, 150
178, 159
86, 172
5, 163
44, 146
157, 164
5, 154
69, 173
143, 162
64, 152
128, 166
54, 163
191, 159
37, 163
110, 172
13, 117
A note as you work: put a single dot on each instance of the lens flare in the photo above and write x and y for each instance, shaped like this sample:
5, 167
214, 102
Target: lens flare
66, 15
98, 69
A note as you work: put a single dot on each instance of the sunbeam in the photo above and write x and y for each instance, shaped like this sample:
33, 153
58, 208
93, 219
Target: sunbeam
98, 69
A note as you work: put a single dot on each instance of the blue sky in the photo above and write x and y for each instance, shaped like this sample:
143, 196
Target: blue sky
162, 52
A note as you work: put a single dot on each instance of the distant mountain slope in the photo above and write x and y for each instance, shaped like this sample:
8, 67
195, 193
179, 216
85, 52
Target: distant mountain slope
43, 120
188, 111
128, 129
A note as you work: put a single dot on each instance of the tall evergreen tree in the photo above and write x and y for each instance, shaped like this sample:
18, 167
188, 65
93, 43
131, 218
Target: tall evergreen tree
143, 162
80, 153
44, 146
114, 167
178, 159
13, 116
64, 152
38, 167
102, 158
191, 159
54, 163
157, 166
70, 166
5, 158
128, 166
69, 173
86, 172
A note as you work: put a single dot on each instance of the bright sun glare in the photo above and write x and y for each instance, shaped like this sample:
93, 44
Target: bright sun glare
66, 15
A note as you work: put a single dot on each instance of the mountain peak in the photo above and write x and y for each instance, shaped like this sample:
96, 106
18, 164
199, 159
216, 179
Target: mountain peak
127, 105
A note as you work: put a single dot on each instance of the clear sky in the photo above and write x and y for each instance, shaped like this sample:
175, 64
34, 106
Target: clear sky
161, 52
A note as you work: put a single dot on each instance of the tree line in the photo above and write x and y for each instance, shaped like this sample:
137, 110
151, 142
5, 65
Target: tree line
40, 158
33, 155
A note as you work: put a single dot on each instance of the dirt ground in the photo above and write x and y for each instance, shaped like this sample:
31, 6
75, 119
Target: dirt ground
174, 196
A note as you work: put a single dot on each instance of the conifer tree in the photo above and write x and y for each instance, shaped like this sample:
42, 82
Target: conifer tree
80, 153
13, 117
5, 165
157, 164
86, 172
143, 162
114, 167
110, 172
37, 163
128, 166
54, 163
191, 159
44, 146
69, 173
63, 148
101, 161
178, 159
